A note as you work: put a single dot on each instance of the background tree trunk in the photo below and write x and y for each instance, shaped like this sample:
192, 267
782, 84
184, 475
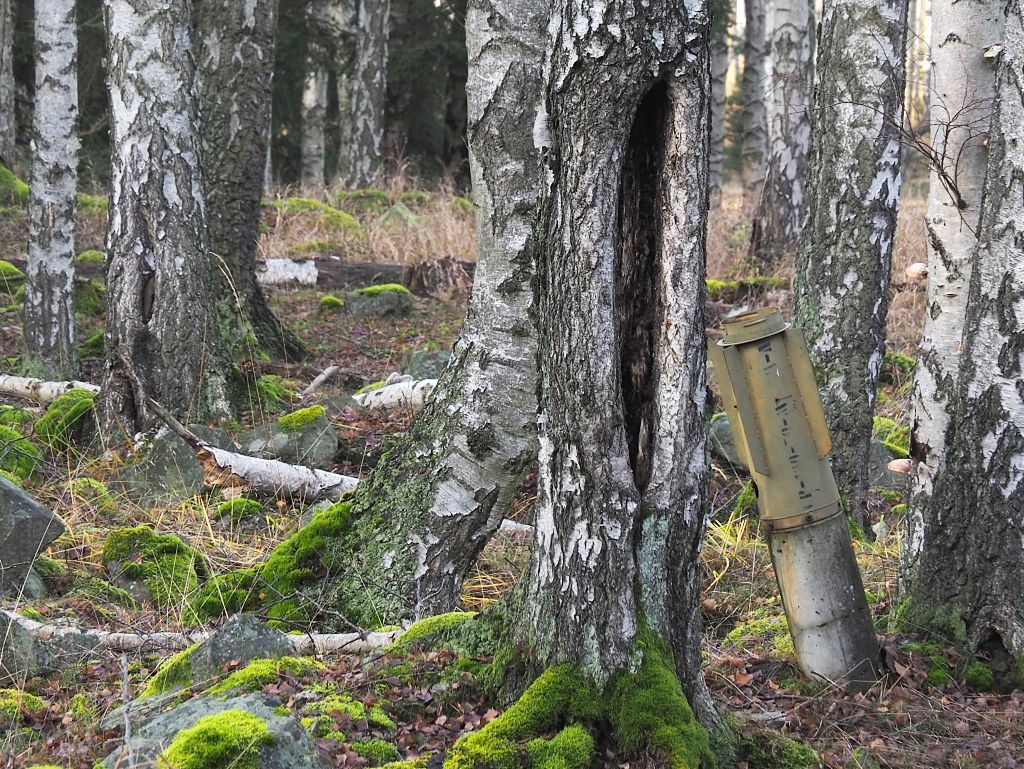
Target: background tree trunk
314, 98
621, 334
343, 22
160, 307
843, 266
963, 83
49, 285
754, 85
7, 121
235, 56
788, 105
970, 578
721, 18
368, 90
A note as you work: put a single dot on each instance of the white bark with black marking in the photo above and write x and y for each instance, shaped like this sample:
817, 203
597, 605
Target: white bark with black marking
754, 86
368, 90
314, 99
7, 121
721, 15
49, 280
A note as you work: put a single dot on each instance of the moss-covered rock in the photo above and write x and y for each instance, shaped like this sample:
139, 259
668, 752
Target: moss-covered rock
18, 455
259, 673
979, 676
175, 672
237, 509
15, 704
377, 750
353, 708
387, 300
437, 631
766, 750
90, 299
298, 420
330, 304
382, 288
99, 591
271, 393
67, 417
230, 739
92, 493
13, 191
414, 198
325, 213
15, 417
366, 199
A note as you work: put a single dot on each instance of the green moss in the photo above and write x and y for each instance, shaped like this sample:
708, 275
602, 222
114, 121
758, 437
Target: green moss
84, 709
175, 672
763, 624
377, 750
327, 214
382, 288
91, 492
90, 299
746, 502
979, 676
92, 204
15, 417
169, 568
356, 710
413, 763
226, 594
96, 590
464, 204
437, 628
733, 290
92, 256
898, 367
231, 739
18, 455
774, 751
10, 276
239, 508
13, 191
297, 420
371, 387
30, 613
938, 671
414, 198
895, 437
366, 199
92, 347
15, 704
259, 673
571, 748
65, 417
272, 393
330, 304
12, 478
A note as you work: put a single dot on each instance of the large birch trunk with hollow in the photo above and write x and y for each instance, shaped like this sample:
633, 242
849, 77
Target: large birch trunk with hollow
845, 256
788, 106
161, 321
7, 115
969, 580
620, 509
362, 159
962, 90
49, 312
754, 85
235, 44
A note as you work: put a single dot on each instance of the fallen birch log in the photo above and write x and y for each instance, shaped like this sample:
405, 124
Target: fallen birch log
39, 390
404, 392
318, 382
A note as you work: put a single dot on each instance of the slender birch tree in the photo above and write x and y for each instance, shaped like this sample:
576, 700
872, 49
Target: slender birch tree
363, 158
7, 117
969, 582
754, 85
161, 320
314, 97
235, 44
721, 17
343, 18
844, 260
788, 106
963, 86
49, 312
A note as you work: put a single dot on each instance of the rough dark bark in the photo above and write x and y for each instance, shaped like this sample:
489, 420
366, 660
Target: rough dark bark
969, 581
235, 45
721, 16
7, 117
844, 261
161, 318
620, 507
754, 85
49, 311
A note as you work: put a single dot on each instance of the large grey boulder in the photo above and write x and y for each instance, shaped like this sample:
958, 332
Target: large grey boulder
289, 745
721, 443
384, 304
27, 528
241, 639
314, 444
425, 364
21, 657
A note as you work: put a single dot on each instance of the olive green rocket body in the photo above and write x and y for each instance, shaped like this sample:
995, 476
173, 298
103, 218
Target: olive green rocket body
776, 417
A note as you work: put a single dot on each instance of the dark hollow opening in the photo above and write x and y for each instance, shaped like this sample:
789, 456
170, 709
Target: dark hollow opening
638, 258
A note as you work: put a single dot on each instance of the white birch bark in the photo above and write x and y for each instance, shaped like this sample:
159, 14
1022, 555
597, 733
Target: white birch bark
962, 85
721, 15
754, 85
368, 90
343, 19
39, 390
845, 255
314, 100
7, 122
970, 570
49, 282
788, 102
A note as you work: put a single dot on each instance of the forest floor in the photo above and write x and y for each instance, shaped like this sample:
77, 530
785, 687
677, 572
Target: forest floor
930, 712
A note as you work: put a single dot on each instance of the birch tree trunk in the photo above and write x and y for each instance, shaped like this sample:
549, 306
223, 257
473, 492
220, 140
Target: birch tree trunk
721, 16
161, 319
49, 284
365, 157
963, 83
235, 44
788, 106
314, 98
7, 121
969, 582
754, 85
343, 18
620, 510
843, 266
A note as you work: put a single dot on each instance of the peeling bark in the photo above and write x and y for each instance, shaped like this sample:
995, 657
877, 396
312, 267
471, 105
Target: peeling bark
49, 312
845, 257
963, 83
7, 116
970, 564
161, 320
235, 45
363, 160
754, 86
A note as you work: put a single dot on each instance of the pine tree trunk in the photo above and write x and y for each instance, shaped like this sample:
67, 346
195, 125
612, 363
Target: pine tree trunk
368, 90
721, 16
620, 509
788, 105
444, 491
314, 99
963, 82
235, 57
754, 85
49, 285
969, 581
845, 256
161, 320
7, 121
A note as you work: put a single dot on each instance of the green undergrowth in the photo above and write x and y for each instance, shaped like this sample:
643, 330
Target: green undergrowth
766, 626
92, 256
238, 509
18, 455
271, 393
11, 278
88, 491
259, 673
13, 191
365, 199
731, 291
327, 214
175, 672
11, 416
330, 304
15, 704
775, 751
66, 418
895, 437
99, 591
231, 739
